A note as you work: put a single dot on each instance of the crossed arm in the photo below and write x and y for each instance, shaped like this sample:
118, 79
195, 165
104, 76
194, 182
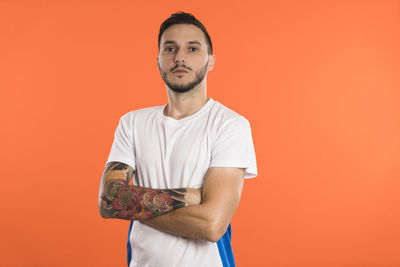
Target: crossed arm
181, 211
118, 199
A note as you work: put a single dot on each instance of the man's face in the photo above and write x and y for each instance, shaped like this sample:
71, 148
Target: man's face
183, 59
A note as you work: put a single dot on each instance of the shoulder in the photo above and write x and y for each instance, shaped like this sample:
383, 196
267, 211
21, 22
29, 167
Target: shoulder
140, 114
226, 117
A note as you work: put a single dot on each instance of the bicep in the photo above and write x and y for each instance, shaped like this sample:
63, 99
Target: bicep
221, 193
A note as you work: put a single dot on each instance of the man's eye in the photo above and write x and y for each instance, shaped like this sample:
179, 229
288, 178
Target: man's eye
169, 49
193, 49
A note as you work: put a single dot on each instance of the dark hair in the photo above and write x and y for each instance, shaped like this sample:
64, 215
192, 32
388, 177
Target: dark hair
184, 18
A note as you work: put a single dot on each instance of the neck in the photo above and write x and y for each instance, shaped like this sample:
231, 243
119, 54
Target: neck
181, 105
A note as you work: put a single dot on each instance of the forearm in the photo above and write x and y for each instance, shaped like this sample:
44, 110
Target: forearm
123, 201
118, 199
197, 222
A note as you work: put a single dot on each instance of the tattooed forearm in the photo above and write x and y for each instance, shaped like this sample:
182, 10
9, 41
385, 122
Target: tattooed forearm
124, 201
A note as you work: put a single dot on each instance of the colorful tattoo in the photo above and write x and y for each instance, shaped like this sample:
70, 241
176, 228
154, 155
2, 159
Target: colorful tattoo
124, 201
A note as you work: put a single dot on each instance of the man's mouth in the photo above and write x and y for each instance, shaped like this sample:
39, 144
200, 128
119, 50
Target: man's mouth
180, 70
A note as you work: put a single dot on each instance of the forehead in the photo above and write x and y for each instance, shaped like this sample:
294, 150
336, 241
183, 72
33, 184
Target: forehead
182, 33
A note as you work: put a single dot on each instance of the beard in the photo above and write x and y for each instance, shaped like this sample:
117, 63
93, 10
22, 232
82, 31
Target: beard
182, 88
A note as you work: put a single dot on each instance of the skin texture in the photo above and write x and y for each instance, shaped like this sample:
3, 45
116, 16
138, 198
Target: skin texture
118, 199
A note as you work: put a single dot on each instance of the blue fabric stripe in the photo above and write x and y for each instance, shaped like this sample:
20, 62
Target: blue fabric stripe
129, 244
225, 249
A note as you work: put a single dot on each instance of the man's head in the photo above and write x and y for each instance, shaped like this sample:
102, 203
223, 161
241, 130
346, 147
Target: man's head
185, 18
185, 52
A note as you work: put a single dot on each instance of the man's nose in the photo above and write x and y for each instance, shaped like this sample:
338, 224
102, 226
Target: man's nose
179, 56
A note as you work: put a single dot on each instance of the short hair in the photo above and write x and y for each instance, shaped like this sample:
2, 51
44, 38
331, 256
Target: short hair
184, 18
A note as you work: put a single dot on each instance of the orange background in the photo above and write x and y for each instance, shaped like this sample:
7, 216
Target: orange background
318, 80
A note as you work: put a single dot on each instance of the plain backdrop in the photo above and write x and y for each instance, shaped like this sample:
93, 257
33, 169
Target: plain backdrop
318, 80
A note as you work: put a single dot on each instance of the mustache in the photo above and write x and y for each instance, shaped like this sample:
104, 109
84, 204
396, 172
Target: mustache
180, 66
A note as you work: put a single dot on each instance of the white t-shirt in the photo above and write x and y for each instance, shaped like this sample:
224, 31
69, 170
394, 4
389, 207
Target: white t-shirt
167, 153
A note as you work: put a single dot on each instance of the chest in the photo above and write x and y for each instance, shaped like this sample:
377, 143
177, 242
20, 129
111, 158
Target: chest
168, 151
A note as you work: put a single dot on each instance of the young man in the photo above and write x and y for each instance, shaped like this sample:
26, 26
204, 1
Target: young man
188, 159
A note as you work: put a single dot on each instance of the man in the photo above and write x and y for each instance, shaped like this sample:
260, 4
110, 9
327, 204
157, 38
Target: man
188, 159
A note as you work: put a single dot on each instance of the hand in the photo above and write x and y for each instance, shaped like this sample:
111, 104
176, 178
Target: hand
192, 197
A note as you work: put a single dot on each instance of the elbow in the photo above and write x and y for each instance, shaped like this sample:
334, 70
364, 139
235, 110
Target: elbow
215, 229
103, 212
104, 209
213, 237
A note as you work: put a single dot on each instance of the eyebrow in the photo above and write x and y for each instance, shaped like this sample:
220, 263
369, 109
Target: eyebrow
190, 42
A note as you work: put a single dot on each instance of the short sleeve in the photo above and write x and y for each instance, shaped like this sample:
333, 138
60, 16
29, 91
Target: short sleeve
233, 147
122, 149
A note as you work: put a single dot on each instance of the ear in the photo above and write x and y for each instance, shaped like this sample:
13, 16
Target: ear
158, 63
211, 62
